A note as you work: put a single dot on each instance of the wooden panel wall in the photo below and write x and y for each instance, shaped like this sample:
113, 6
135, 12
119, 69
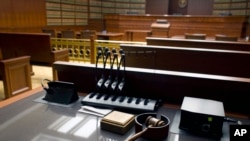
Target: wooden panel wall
157, 6
200, 7
22, 15
210, 25
194, 7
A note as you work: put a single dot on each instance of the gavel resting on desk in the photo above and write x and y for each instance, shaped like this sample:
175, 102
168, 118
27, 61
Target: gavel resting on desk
150, 122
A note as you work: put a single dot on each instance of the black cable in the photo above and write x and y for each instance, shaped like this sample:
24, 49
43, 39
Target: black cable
42, 83
227, 119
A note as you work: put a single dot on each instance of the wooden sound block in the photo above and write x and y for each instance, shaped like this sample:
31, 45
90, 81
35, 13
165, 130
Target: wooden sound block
118, 122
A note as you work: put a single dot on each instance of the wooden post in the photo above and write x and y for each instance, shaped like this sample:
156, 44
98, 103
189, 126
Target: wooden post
92, 49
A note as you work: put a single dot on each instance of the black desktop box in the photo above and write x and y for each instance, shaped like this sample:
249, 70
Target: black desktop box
202, 117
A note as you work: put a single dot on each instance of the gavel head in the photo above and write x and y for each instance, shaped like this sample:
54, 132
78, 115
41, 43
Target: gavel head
154, 122
157, 128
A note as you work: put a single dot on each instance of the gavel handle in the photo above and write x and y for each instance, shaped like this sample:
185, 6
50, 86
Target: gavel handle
137, 135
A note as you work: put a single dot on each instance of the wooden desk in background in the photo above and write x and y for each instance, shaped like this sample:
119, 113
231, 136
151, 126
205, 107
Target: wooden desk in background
109, 36
180, 24
130, 33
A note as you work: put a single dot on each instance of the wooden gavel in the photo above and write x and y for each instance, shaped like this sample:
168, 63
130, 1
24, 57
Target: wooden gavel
150, 122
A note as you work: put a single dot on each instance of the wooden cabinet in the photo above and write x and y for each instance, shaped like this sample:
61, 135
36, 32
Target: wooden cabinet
231, 7
78, 12
67, 12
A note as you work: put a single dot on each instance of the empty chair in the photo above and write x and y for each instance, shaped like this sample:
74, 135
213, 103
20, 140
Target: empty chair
195, 36
220, 37
68, 34
86, 34
52, 32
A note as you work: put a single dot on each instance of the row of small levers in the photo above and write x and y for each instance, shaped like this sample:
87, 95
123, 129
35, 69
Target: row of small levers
119, 98
120, 102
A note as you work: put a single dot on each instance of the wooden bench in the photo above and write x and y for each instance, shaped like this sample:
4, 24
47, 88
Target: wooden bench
210, 44
170, 86
36, 45
15, 74
197, 60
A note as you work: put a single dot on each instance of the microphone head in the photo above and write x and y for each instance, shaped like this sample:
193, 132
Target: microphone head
99, 48
106, 49
108, 53
99, 53
121, 51
113, 50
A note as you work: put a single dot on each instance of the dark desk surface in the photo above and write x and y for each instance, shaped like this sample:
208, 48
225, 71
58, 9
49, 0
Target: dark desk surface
27, 120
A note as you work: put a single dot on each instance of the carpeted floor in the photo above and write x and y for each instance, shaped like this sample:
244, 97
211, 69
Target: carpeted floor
41, 72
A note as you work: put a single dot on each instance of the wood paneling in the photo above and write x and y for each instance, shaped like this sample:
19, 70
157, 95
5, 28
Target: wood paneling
157, 6
22, 15
5, 14
194, 7
210, 25
200, 7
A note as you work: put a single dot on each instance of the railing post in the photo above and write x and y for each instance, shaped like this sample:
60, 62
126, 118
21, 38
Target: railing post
92, 49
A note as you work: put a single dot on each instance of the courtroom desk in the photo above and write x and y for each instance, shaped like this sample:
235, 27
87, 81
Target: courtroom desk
170, 86
28, 120
130, 33
109, 36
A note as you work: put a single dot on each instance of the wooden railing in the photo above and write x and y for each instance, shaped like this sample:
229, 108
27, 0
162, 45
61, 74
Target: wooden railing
84, 50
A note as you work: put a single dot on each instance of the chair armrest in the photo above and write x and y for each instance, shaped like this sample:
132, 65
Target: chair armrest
61, 55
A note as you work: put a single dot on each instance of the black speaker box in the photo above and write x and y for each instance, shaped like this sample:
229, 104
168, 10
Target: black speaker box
202, 117
61, 92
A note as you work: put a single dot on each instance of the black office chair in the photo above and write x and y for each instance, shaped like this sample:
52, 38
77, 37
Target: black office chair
52, 32
68, 34
86, 34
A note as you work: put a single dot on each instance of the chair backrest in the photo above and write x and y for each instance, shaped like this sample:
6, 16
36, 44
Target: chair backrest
85, 34
220, 37
52, 32
195, 36
68, 34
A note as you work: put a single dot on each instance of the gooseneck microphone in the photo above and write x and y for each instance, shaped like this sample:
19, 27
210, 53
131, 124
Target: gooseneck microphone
102, 79
120, 87
108, 82
99, 54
